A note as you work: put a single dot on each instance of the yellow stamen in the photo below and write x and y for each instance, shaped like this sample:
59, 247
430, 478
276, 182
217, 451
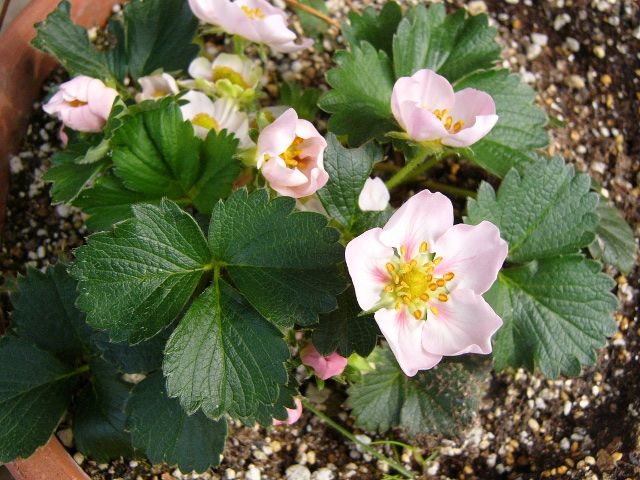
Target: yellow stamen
429, 278
253, 13
458, 126
205, 120
440, 282
443, 297
434, 310
424, 297
433, 287
396, 279
77, 103
413, 263
449, 276
424, 246
390, 267
388, 288
398, 306
292, 156
406, 300
448, 121
417, 314
403, 249
437, 260
228, 73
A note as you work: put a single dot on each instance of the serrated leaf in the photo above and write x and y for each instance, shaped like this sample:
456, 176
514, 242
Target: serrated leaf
68, 177
614, 243
549, 210
441, 400
159, 35
520, 128
225, 357
135, 279
304, 100
360, 99
311, 24
278, 410
344, 331
376, 28
35, 390
144, 357
99, 419
264, 242
556, 312
108, 201
70, 44
165, 433
452, 45
44, 312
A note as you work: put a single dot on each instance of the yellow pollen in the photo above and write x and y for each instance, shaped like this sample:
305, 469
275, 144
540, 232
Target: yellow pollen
417, 314
77, 103
437, 260
434, 310
228, 73
253, 13
424, 297
433, 287
449, 276
429, 278
440, 282
292, 156
448, 122
413, 263
396, 279
458, 126
406, 300
398, 306
440, 113
205, 120
424, 246
443, 297
388, 288
390, 267
403, 249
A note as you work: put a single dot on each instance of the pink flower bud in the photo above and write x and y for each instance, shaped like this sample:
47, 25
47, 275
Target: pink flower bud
292, 415
156, 86
374, 196
83, 103
324, 367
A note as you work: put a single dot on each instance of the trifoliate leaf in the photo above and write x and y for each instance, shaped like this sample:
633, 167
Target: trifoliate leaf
159, 35
278, 410
264, 243
45, 314
441, 400
70, 45
348, 170
556, 313
225, 357
99, 420
452, 45
344, 331
135, 279
360, 99
614, 243
35, 390
520, 128
165, 433
376, 28
547, 211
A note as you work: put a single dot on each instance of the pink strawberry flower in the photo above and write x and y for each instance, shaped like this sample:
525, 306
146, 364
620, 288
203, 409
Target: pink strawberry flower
324, 367
293, 415
427, 108
83, 103
290, 154
424, 277
255, 20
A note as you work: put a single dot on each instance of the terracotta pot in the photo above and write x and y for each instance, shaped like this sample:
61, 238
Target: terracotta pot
22, 72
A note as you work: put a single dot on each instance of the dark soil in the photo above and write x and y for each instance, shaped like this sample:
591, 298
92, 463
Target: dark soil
588, 78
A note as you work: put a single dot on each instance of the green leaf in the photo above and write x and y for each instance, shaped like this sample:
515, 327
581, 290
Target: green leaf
360, 99
166, 434
264, 242
225, 357
556, 312
70, 45
159, 35
99, 420
348, 170
144, 357
614, 243
108, 201
155, 152
44, 312
135, 279
278, 410
520, 128
441, 400
373, 27
313, 26
549, 210
452, 45
68, 177
219, 172
304, 100
35, 389
344, 331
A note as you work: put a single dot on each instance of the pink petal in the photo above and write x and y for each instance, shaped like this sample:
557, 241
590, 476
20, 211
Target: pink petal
424, 88
274, 139
464, 324
279, 175
324, 367
374, 196
404, 335
100, 98
293, 415
422, 218
478, 112
468, 136
474, 253
290, 47
422, 125
366, 257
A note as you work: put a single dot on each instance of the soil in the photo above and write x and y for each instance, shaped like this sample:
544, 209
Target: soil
582, 57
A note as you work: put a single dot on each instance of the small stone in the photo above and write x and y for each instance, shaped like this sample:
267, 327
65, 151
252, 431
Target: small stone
606, 80
433, 468
560, 21
259, 455
66, 437
133, 464
533, 425
79, 458
276, 446
539, 39
323, 474
229, 474
589, 460
599, 51
311, 457
572, 44
252, 473
533, 51
616, 456
297, 472
576, 81
477, 7
565, 444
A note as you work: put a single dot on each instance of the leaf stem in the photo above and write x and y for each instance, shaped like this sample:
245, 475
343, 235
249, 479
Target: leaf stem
346, 433
81, 369
450, 189
312, 11
418, 162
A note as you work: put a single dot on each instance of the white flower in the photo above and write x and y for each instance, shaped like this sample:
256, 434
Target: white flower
156, 86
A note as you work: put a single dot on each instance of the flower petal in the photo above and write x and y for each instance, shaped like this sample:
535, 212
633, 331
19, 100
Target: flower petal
474, 253
374, 196
422, 218
201, 68
404, 335
366, 257
324, 367
464, 324
274, 139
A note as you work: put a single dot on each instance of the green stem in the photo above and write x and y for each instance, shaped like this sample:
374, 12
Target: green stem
419, 163
81, 369
239, 44
346, 433
450, 189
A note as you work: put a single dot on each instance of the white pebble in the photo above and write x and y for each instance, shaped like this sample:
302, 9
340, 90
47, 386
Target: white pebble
565, 444
253, 473
477, 7
539, 39
533, 425
560, 21
572, 44
323, 474
79, 458
298, 472
15, 164
567, 408
533, 51
229, 474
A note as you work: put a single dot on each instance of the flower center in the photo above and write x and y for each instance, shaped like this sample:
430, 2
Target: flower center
292, 156
413, 283
77, 103
449, 123
205, 120
221, 73
253, 13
